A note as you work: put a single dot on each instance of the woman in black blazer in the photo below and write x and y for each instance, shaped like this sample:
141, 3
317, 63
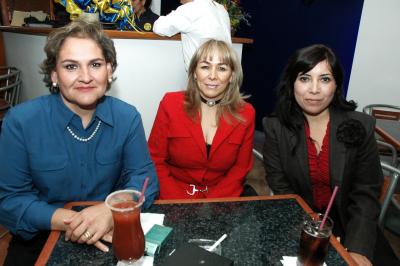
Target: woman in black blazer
315, 141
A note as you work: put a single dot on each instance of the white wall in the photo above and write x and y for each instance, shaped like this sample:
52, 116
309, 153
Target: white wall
146, 69
156, 6
375, 75
25, 52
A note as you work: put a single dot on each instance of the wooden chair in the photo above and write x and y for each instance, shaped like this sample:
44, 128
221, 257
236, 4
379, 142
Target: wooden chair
391, 174
258, 155
257, 176
383, 111
3, 231
388, 121
10, 84
388, 190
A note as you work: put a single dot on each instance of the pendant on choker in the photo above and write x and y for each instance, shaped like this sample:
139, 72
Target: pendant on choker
210, 103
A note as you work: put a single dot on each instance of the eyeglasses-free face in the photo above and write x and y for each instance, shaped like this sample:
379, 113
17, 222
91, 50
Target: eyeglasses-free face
315, 89
213, 76
81, 73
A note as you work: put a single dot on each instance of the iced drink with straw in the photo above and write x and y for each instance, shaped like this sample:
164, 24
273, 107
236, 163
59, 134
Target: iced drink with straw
314, 241
314, 238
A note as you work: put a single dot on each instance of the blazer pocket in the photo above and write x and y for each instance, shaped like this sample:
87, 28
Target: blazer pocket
181, 145
236, 139
178, 132
50, 162
104, 157
231, 149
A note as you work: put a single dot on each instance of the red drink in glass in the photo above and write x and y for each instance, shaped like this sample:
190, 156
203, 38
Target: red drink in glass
128, 238
314, 242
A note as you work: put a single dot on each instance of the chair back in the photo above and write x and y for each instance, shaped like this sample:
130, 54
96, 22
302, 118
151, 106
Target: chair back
10, 84
259, 178
393, 159
383, 111
389, 188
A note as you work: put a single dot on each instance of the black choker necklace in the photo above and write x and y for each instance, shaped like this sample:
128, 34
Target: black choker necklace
210, 103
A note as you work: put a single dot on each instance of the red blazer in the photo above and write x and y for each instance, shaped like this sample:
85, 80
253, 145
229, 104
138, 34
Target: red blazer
178, 149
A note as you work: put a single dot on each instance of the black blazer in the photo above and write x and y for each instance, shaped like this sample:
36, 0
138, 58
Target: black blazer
356, 170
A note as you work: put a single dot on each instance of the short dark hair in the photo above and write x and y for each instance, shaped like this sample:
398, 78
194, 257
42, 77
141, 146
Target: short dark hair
80, 28
303, 60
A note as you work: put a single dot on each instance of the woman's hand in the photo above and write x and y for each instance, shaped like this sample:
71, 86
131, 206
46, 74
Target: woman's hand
90, 225
360, 259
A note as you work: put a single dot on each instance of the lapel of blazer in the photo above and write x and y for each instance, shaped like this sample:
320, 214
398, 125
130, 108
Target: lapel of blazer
194, 127
337, 154
223, 131
302, 160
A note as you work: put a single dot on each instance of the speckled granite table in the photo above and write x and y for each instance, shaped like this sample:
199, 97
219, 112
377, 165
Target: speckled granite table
260, 231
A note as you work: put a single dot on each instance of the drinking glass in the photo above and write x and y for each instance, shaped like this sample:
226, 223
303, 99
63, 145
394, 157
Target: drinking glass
314, 242
128, 238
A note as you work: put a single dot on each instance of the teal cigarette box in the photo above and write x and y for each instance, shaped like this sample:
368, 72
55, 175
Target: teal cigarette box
155, 237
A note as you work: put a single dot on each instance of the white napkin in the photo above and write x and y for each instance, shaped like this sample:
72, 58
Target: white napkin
149, 219
291, 261
144, 261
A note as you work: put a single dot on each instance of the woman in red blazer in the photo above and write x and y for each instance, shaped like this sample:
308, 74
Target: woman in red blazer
202, 138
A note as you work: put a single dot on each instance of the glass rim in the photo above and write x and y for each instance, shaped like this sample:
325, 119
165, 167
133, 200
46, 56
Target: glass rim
314, 223
321, 216
138, 205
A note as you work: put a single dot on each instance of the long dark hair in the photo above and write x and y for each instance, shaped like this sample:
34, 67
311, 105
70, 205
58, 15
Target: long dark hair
303, 60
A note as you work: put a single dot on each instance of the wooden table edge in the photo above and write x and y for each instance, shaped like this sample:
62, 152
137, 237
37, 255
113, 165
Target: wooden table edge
54, 235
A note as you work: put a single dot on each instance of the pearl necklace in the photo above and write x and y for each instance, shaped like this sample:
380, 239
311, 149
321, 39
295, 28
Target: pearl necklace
85, 139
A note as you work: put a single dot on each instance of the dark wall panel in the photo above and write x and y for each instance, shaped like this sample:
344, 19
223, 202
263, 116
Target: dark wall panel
168, 5
280, 27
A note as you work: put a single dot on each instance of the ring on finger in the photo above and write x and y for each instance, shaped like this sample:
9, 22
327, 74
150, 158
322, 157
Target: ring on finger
88, 235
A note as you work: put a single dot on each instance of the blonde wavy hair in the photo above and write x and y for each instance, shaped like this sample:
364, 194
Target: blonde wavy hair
232, 100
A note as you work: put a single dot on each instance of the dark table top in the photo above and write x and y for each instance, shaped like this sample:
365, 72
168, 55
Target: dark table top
260, 231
